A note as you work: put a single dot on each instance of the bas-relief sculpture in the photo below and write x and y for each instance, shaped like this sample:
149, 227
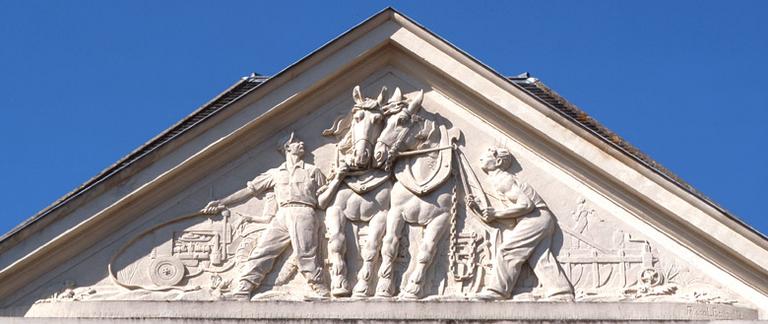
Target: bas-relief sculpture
365, 196
300, 189
418, 151
526, 230
394, 196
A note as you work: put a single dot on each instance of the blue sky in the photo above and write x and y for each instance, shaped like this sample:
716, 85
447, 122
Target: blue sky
81, 86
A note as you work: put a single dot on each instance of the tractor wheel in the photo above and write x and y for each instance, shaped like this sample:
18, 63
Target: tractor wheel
166, 271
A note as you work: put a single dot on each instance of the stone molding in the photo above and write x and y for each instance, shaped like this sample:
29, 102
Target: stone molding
393, 310
657, 242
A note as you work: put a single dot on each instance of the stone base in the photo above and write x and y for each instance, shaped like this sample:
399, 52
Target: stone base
368, 311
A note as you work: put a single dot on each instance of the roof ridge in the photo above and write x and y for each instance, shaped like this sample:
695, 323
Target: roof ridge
216, 104
538, 89
160, 139
524, 81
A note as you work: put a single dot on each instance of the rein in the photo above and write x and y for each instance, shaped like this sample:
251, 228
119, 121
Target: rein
422, 151
399, 141
363, 140
463, 165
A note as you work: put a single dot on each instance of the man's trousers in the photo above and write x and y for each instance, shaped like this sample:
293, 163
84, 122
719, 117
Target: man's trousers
295, 226
529, 241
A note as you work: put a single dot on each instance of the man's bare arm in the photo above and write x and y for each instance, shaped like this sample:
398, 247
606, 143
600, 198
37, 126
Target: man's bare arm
239, 196
326, 193
523, 205
325, 197
260, 184
216, 206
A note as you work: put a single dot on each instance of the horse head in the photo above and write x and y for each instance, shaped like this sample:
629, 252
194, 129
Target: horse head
401, 130
361, 126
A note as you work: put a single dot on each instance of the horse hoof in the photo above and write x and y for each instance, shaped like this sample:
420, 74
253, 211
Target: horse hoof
361, 289
408, 296
340, 292
384, 288
488, 295
412, 289
339, 287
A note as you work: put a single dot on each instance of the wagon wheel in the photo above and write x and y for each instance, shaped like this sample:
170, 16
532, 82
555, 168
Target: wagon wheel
650, 277
166, 271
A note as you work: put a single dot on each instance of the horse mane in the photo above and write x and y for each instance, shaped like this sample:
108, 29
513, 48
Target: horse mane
342, 127
426, 133
391, 109
345, 145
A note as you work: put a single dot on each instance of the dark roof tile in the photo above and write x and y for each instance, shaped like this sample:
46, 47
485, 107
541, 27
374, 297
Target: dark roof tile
201, 114
538, 90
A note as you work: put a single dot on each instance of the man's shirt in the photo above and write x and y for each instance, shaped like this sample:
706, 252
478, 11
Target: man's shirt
532, 194
298, 184
514, 191
524, 188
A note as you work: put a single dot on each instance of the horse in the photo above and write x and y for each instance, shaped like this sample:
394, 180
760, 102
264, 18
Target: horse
419, 152
364, 197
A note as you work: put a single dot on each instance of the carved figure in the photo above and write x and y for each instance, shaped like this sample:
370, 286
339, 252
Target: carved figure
580, 220
419, 152
250, 228
365, 195
526, 230
300, 189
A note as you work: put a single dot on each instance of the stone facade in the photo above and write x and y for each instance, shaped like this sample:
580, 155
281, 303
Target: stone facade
435, 191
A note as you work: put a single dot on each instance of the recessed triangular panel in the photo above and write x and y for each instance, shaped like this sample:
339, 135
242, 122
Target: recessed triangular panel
386, 167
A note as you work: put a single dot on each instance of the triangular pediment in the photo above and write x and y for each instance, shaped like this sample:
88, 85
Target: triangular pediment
578, 215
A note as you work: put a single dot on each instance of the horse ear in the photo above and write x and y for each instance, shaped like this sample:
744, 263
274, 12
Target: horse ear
397, 96
382, 94
415, 104
356, 95
430, 128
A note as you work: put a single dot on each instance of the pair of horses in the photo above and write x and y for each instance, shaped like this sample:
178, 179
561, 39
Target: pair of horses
399, 168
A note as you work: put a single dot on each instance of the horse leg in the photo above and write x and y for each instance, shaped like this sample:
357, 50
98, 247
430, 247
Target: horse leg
335, 221
389, 251
370, 252
433, 232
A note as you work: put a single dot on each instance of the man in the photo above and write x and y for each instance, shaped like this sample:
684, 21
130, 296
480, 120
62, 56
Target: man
300, 189
526, 230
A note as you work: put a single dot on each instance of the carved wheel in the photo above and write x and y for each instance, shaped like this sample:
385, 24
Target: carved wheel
650, 277
166, 271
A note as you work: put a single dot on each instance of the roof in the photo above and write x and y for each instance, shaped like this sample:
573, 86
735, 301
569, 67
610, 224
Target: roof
531, 86
215, 105
538, 90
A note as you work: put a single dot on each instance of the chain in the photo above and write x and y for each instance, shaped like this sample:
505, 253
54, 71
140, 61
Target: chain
453, 258
454, 240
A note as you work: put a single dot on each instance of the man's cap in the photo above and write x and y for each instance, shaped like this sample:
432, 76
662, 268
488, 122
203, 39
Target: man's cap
500, 152
285, 141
